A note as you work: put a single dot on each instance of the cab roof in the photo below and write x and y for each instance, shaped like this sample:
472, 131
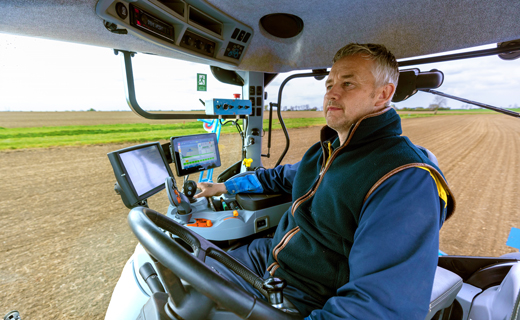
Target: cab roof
408, 28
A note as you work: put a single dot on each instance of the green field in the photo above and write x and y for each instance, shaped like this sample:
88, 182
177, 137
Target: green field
41, 137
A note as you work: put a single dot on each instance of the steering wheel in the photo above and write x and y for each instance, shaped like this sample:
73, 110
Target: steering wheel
146, 224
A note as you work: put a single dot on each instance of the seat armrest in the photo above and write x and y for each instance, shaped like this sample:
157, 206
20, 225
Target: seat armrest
446, 285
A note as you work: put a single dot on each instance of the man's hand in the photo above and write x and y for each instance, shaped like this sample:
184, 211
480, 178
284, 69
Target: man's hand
210, 189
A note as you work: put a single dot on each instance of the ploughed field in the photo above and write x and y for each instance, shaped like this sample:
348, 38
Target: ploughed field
65, 238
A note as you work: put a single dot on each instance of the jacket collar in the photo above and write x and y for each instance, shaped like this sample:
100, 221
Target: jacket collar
371, 127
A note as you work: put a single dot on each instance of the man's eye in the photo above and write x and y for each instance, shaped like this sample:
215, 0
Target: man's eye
347, 84
328, 87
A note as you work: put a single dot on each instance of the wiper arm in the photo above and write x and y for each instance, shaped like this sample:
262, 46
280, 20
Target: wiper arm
482, 105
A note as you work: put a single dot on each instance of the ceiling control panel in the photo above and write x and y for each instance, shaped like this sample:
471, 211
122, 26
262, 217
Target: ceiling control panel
188, 26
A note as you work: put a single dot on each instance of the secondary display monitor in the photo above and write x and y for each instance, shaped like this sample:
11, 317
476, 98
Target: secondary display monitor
195, 153
140, 171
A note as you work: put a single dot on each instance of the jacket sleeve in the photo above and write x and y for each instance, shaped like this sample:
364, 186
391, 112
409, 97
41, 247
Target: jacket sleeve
279, 179
394, 255
276, 180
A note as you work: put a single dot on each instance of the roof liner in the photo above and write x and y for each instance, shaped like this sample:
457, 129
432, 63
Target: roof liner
408, 28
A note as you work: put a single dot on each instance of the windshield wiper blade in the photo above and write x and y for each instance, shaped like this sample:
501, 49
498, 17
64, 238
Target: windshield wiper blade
482, 105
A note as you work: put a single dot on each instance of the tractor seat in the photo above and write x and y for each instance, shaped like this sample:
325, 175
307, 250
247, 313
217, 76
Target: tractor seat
429, 154
446, 285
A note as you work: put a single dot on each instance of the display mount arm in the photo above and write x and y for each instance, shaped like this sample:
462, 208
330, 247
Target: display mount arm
132, 100
482, 105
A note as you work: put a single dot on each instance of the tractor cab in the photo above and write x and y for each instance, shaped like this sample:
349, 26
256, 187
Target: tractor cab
248, 44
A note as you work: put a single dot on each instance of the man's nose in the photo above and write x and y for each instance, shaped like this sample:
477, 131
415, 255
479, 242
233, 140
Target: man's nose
332, 93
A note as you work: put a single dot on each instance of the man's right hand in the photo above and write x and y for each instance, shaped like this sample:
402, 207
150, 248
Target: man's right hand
210, 189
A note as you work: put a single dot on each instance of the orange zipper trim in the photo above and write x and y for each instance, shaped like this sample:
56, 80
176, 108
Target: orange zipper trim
328, 162
283, 243
273, 267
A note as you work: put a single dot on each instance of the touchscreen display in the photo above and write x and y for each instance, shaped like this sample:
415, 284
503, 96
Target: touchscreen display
145, 168
195, 153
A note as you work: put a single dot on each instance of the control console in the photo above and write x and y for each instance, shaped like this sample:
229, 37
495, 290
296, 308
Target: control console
222, 218
228, 107
142, 171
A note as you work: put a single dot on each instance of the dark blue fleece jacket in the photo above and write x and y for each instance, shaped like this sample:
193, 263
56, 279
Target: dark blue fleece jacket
362, 234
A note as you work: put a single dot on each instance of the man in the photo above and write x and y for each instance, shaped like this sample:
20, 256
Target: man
361, 238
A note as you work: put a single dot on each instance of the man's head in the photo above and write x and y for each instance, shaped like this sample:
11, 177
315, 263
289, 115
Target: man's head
386, 68
362, 80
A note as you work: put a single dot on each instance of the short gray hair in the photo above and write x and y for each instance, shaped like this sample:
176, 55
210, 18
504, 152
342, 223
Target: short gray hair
386, 67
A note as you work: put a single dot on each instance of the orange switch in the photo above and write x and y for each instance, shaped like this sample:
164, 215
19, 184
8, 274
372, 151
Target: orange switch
201, 223
235, 213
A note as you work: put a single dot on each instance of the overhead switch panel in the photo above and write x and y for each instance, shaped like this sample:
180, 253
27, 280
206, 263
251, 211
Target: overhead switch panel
189, 26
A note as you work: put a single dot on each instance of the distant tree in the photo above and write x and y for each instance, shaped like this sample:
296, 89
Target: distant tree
91, 109
439, 102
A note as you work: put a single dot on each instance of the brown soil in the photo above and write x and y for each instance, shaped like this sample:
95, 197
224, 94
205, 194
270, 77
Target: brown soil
65, 239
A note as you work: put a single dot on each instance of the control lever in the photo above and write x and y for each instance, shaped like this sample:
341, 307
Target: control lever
178, 200
189, 188
274, 287
150, 277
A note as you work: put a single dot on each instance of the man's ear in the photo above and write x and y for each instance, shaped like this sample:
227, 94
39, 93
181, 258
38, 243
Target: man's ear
386, 93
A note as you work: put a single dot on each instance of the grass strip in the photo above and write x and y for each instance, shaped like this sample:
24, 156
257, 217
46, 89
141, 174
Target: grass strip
42, 137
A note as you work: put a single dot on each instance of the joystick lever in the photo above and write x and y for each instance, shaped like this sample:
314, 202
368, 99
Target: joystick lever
189, 188
178, 200
274, 287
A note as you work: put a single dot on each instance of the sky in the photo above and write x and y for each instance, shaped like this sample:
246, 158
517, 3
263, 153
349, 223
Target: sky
46, 75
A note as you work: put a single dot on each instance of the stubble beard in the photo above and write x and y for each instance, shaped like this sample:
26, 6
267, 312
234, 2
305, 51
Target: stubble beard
338, 124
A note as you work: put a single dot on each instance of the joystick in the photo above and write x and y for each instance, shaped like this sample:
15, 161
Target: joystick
178, 200
189, 188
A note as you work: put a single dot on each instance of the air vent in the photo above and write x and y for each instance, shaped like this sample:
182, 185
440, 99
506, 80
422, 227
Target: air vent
204, 21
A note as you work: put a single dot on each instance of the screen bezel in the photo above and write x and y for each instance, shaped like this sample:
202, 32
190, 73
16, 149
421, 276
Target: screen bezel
124, 179
176, 158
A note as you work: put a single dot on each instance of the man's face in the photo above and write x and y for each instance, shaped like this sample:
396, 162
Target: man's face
351, 93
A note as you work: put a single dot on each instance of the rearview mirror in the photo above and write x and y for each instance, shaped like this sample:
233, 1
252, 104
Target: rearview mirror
412, 80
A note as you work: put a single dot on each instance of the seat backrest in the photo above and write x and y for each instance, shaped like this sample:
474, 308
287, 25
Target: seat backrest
429, 154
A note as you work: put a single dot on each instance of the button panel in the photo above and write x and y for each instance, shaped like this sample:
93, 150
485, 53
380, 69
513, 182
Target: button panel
228, 107
241, 35
198, 44
234, 50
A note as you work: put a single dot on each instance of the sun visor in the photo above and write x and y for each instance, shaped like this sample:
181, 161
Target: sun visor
412, 80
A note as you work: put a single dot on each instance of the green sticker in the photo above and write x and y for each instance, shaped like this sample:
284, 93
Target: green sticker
202, 81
